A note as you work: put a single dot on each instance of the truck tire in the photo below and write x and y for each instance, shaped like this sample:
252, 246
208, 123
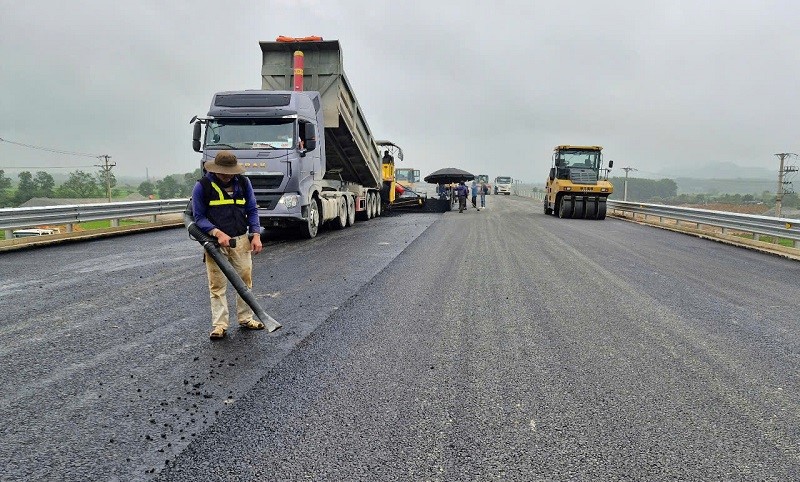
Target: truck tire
547, 210
565, 208
351, 210
341, 221
311, 228
579, 208
378, 205
591, 208
368, 206
601, 210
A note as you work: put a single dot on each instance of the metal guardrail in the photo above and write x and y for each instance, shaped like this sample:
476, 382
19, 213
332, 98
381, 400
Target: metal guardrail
15, 218
785, 228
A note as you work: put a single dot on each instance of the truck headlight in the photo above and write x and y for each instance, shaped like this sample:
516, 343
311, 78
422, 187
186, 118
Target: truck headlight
289, 200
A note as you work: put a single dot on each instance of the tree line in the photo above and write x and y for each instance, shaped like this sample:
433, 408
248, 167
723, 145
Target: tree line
85, 185
666, 191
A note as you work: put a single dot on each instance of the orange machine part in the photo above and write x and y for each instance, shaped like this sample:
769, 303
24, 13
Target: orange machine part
312, 38
299, 62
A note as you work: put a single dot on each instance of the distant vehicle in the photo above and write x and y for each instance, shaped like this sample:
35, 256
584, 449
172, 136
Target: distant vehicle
24, 233
484, 179
502, 185
407, 177
578, 186
400, 185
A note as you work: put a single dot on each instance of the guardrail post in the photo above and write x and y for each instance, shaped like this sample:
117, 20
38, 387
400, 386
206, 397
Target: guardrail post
115, 223
9, 233
69, 228
153, 218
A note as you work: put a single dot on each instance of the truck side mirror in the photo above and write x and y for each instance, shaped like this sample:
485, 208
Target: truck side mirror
610, 164
310, 140
196, 137
552, 173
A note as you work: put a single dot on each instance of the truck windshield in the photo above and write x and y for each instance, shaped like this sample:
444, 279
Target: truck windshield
504, 180
250, 133
585, 159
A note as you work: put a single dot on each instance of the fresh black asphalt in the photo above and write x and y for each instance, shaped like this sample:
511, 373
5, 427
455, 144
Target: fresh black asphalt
494, 345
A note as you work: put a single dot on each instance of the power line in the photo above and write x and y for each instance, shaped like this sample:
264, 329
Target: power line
48, 149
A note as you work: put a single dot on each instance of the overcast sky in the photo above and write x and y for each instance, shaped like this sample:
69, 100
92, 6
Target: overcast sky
662, 85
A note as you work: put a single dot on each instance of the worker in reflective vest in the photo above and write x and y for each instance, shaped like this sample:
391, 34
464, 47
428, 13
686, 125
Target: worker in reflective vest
225, 207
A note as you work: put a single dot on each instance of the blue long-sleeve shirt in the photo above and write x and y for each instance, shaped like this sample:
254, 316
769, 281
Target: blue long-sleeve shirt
200, 204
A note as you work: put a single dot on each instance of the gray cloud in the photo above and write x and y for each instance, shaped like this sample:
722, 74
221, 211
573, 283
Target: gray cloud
487, 87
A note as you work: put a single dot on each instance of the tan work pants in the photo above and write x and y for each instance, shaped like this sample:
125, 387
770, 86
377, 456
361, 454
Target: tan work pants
242, 262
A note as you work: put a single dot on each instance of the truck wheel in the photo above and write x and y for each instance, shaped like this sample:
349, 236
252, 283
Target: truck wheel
565, 208
378, 205
591, 208
547, 210
601, 211
341, 220
579, 208
368, 206
311, 227
351, 211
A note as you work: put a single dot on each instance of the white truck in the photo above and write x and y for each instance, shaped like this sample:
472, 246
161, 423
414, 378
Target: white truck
502, 185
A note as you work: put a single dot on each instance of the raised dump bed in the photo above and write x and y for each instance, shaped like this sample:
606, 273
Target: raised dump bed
350, 148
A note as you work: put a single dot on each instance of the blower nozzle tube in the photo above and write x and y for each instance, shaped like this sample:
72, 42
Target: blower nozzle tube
209, 243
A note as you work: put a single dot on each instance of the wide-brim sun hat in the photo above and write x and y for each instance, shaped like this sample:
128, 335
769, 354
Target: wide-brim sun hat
225, 162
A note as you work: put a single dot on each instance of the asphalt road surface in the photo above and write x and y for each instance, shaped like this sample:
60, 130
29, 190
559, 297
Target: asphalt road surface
494, 345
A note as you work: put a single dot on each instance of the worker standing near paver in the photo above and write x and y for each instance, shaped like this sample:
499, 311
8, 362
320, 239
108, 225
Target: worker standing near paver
462, 190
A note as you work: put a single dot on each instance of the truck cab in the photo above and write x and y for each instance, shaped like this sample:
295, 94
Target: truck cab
502, 185
274, 136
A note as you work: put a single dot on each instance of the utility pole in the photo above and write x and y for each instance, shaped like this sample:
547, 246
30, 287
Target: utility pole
106, 167
627, 169
781, 171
